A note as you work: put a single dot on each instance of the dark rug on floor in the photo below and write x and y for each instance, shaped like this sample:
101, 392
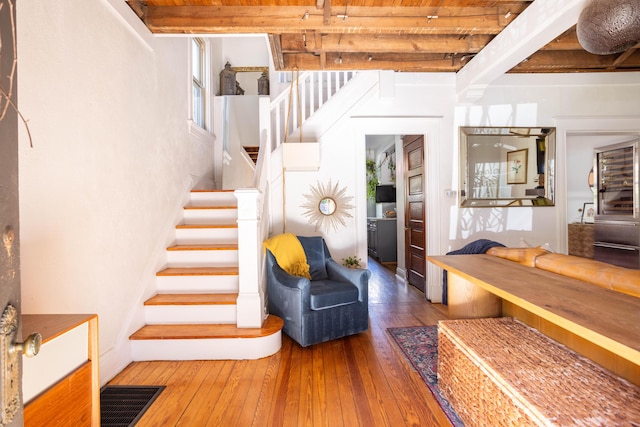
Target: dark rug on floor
123, 406
420, 346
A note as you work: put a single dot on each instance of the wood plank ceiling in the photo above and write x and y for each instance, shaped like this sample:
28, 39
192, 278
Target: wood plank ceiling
400, 35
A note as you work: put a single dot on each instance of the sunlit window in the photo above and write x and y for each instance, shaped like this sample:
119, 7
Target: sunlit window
198, 81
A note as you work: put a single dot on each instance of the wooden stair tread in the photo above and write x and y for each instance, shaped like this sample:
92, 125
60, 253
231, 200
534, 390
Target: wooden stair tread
212, 191
192, 299
252, 152
198, 271
271, 325
187, 226
204, 247
194, 207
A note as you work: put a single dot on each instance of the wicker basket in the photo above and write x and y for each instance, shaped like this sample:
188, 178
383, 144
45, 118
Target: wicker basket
500, 372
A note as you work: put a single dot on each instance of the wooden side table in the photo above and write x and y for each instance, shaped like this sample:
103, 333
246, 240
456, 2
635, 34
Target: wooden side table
581, 240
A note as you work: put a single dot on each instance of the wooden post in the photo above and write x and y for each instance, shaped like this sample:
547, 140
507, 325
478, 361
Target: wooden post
466, 300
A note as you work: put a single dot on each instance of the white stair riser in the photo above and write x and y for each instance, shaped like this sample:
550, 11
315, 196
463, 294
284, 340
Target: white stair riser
214, 198
206, 235
210, 216
197, 284
197, 258
206, 349
189, 314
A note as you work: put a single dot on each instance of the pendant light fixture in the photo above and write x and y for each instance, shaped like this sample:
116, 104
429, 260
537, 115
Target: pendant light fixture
607, 27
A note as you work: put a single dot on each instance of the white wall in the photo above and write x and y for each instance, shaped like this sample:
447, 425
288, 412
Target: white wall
112, 161
598, 100
241, 130
425, 103
246, 51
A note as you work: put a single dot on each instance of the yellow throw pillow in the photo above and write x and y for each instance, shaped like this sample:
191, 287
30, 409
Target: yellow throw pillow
289, 254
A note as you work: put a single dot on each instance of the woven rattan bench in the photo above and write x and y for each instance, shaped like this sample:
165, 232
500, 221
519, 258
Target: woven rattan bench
601, 324
500, 372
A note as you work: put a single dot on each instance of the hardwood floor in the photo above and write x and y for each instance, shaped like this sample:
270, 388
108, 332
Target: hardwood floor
362, 380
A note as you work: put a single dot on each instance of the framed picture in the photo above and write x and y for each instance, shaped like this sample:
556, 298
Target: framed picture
588, 213
517, 166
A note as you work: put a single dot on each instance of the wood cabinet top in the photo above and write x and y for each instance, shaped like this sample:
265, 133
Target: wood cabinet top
52, 325
607, 318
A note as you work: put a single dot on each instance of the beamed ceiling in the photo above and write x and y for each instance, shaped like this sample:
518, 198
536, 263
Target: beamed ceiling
400, 35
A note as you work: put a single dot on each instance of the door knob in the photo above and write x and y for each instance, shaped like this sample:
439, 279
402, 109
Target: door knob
29, 347
10, 354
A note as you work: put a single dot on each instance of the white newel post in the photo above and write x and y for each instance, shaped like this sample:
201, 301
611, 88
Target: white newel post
249, 303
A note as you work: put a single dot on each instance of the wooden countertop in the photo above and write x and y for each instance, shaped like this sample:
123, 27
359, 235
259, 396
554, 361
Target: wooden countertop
604, 317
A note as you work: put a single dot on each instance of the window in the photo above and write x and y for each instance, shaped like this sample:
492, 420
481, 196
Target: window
198, 62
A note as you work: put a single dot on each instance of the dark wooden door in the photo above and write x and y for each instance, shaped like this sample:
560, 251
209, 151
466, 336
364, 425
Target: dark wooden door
415, 236
9, 247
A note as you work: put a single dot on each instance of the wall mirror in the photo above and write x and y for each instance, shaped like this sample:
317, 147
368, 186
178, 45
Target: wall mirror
507, 166
327, 206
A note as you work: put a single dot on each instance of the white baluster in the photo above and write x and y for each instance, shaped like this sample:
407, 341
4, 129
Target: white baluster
303, 100
312, 93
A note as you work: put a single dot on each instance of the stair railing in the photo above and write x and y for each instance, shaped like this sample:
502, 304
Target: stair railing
308, 92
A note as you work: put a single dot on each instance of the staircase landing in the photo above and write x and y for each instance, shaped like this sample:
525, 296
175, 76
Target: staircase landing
272, 325
207, 341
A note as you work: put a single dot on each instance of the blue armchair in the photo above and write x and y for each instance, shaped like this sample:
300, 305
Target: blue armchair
333, 304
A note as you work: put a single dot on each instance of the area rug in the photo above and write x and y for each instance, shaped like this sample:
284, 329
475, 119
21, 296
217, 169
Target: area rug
123, 406
419, 344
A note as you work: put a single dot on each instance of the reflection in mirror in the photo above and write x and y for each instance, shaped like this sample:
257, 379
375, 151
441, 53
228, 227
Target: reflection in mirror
327, 206
502, 167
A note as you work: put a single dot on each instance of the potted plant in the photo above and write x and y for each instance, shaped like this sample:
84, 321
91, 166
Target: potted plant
372, 179
392, 168
351, 262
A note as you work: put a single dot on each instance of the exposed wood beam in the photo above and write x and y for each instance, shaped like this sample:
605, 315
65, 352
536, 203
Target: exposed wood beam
139, 8
326, 19
563, 61
622, 58
397, 62
480, 41
276, 51
402, 43
320, 48
282, 19
566, 41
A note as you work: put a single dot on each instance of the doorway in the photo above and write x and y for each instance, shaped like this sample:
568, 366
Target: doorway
382, 224
430, 128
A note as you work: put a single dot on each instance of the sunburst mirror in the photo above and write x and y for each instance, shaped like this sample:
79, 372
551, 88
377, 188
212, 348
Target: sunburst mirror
327, 206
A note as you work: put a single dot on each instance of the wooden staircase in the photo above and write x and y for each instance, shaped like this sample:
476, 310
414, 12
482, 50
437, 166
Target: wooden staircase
252, 152
193, 315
